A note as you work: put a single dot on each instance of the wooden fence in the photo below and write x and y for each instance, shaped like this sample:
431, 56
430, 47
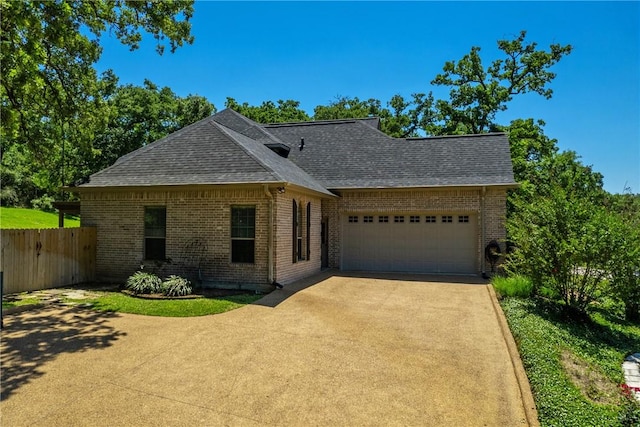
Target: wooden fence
49, 258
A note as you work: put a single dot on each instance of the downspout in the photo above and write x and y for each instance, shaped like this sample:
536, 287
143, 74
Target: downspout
483, 232
269, 235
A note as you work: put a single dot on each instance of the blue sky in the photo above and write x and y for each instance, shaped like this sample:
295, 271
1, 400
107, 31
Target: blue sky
314, 51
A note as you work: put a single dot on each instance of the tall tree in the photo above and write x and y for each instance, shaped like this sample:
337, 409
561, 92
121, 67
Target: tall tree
50, 93
478, 93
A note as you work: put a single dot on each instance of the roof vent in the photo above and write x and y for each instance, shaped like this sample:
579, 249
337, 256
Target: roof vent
301, 146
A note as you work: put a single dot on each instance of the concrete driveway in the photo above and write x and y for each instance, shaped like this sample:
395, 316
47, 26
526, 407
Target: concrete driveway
334, 350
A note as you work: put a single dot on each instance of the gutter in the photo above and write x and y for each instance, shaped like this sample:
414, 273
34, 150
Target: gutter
483, 231
269, 235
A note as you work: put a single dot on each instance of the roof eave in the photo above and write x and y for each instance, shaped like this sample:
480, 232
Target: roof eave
506, 186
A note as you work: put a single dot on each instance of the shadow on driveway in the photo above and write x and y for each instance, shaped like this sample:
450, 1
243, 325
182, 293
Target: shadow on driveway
278, 296
32, 338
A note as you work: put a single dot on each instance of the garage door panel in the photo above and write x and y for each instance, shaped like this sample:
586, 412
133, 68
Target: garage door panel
427, 247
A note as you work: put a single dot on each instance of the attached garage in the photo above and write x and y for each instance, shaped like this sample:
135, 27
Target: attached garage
418, 242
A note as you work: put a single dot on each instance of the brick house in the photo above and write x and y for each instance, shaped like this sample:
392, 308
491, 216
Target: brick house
232, 202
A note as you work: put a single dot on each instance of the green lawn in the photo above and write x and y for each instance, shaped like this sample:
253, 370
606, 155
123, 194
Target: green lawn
32, 218
116, 301
574, 367
119, 302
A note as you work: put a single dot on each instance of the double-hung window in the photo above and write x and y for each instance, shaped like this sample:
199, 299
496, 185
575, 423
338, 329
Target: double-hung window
243, 234
155, 232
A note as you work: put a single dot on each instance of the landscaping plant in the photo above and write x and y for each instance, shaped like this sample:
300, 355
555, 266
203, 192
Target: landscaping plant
175, 286
144, 283
513, 286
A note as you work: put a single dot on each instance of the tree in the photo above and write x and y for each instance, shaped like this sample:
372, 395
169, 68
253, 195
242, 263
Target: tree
52, 99
478, 93
625, 274
140, 116
268, 112
566, 240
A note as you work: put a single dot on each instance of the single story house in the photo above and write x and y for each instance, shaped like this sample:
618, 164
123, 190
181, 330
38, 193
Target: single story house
230, 201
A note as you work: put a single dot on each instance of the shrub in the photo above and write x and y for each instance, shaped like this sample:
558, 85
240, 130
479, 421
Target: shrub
144, 283
513, 286
175, 286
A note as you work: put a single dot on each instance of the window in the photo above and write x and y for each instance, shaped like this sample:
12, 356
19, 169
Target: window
155, 232
301, 238
398, 218
353, 218
308, 230
367, 218
429, 218
414, 218
463, 218
383, 218
447, 218
243, 233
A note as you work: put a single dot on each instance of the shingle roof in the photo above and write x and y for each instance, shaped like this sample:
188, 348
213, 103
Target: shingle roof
203, 153
338, 154
352, 154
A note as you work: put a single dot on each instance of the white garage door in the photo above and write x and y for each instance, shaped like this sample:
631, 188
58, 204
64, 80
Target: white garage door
421, 243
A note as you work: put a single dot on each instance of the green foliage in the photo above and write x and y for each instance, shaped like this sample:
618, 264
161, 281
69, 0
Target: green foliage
625, 271
176, 286
53, 102
268, 112
565, 239
543, 333
141, 115
115, 301
20, 218
144, 283
478, 93
513, 286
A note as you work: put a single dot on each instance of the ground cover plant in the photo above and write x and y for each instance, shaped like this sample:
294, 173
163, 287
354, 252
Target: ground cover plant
574, 366
14, 218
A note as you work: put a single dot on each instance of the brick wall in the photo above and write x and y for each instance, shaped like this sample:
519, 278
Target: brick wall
198, 233
437, 201
199, 227
286, 271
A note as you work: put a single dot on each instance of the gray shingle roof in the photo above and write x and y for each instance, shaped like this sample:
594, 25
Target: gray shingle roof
352, 154
338, 154
203, 153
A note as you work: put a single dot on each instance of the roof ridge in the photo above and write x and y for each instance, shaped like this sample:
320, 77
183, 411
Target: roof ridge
465, 135
155, 144
320, 122
251, 124
226, 130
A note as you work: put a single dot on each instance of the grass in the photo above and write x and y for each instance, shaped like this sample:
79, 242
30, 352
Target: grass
512, 286
574, 367
19, 302
115, 301
32, 218
119, 302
